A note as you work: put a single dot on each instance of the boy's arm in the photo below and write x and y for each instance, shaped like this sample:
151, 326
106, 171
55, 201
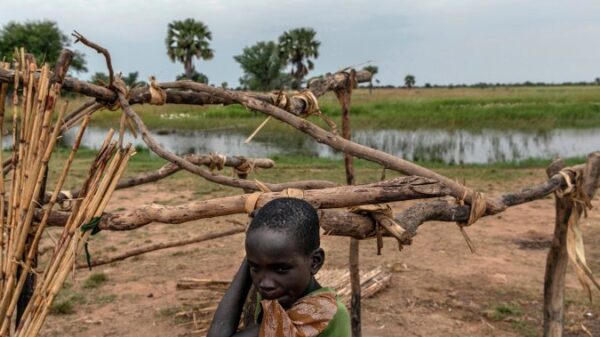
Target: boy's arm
229, 311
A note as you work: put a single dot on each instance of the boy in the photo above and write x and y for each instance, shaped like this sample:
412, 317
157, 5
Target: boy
283, 255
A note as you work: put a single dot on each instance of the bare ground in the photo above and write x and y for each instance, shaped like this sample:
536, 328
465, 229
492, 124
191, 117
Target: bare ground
438, 287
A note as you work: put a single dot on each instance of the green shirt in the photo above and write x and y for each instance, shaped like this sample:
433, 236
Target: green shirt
339, 326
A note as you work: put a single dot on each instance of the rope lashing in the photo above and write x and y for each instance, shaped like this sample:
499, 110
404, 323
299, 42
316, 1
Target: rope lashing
158, 96
280, 100
311, 107
575, 194
383, 217
477, 210
251, 201
217, 161
67, 203
294, 193
311, 104
245, 168
118, 86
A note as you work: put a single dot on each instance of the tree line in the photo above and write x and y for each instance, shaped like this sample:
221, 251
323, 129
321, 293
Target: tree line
266, 65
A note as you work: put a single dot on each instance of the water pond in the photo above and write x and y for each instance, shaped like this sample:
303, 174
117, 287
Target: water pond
447, 146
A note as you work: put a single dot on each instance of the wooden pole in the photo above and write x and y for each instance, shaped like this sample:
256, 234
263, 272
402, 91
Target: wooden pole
558, 258
556, 263
344, 96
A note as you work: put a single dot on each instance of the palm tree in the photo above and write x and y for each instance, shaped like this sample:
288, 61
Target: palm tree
188, 39
296, 47
373, 70
409, 81
263, 69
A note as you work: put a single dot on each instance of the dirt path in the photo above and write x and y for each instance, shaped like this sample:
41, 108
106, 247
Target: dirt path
438, 287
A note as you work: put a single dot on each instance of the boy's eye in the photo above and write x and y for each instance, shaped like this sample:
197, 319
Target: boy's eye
282, 270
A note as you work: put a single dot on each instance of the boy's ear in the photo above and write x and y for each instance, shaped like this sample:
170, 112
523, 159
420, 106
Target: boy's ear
317, 260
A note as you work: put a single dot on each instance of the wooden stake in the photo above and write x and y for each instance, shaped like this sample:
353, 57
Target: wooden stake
344, 96
558, 259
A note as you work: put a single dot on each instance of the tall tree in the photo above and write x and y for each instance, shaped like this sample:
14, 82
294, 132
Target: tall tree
43, 39
409, 81
132, 79
297, 47
373, 70
99, 78
263, 67
186, 40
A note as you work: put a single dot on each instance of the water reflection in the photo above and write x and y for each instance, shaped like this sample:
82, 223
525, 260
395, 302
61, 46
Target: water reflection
448, 146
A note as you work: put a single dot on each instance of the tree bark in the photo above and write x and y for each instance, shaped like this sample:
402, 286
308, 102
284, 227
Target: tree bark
556, 264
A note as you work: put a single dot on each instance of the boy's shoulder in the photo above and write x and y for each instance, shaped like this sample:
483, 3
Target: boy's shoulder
339, 326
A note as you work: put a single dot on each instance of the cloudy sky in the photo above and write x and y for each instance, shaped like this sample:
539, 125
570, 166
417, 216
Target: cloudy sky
438, 41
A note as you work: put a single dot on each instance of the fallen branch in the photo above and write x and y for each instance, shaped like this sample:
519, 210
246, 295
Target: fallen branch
159, 246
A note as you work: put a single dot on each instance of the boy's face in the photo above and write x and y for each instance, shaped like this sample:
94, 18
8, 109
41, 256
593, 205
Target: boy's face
279, 268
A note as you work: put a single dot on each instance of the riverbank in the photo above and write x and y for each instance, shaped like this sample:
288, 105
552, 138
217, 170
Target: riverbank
304, 168
524, 108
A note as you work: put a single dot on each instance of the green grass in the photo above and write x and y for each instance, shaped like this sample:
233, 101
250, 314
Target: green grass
537, 108
95, 280
67, 299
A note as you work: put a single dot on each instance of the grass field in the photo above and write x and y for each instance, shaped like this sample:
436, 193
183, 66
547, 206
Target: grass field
537, 108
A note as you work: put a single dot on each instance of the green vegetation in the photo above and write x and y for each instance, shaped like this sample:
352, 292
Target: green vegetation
263, 68
373, 70
43, 39
409, 81
527, 108
95, 280
297, 47
188, 39
65, 302
506, 310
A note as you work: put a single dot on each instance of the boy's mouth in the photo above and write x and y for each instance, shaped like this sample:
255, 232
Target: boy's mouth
271, 295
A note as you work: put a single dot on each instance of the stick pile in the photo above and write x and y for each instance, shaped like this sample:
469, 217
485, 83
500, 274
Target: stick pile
200, 297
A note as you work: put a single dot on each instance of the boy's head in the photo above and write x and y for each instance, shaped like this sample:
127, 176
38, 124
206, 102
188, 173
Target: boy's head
283, 249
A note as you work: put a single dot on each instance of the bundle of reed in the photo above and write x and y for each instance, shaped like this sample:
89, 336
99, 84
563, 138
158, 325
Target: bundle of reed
201, 296
102, 180
34, 138
33, 142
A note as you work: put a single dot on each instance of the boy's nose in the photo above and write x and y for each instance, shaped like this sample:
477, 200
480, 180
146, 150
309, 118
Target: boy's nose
266, 284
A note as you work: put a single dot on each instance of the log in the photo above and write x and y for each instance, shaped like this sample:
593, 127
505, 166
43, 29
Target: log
397, 189
333, 222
